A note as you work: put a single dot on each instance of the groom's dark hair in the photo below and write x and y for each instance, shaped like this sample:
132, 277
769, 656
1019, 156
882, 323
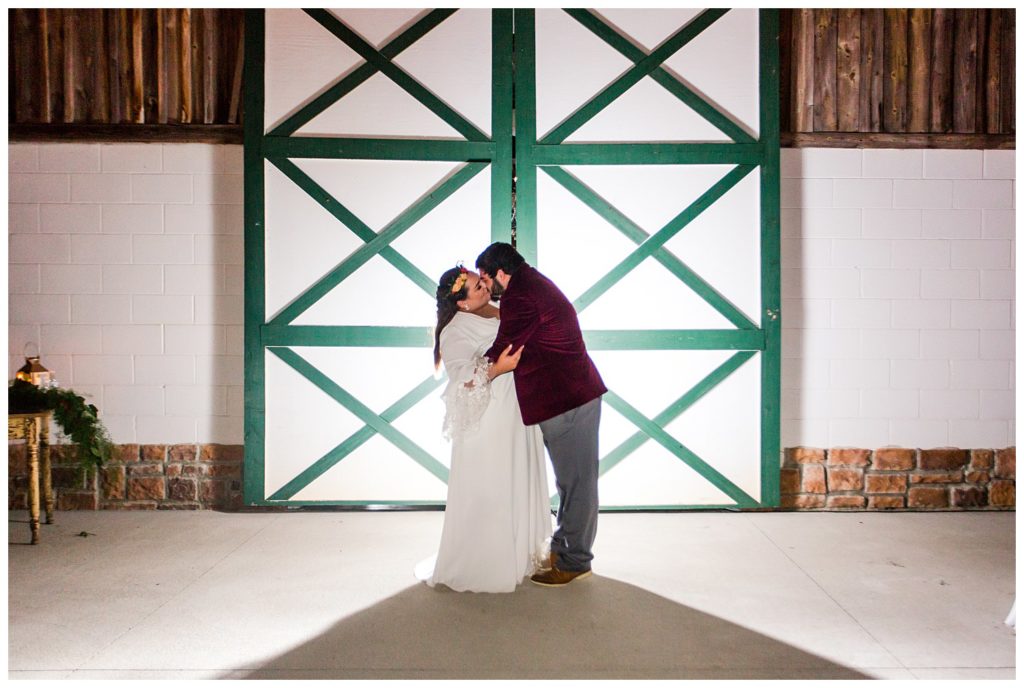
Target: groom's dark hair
499, 256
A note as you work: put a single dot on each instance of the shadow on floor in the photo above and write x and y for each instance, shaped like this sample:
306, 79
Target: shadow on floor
595, 628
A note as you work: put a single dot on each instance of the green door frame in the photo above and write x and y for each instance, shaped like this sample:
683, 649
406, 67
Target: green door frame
478, 151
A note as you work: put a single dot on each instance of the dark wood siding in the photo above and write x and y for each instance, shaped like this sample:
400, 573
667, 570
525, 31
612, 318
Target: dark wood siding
851, 77
125, 66
914, 77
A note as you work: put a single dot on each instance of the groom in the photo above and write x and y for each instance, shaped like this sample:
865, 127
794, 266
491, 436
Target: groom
559, 388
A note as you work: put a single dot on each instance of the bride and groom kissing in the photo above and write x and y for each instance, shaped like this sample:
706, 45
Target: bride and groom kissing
520, 380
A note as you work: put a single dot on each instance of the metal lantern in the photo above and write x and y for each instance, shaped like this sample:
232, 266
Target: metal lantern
33, 371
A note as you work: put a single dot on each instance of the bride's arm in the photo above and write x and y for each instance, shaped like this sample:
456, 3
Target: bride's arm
469, 382
458, 354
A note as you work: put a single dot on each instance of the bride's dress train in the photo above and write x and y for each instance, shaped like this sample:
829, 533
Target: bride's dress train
497, 522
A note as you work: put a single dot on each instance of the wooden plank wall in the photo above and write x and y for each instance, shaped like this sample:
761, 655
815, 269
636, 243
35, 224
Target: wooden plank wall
926, 74
120, 66
849, 77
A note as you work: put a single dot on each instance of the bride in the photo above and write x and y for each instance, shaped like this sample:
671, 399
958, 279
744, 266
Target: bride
497, 521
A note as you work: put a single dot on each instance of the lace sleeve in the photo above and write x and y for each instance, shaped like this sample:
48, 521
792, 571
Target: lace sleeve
466, 399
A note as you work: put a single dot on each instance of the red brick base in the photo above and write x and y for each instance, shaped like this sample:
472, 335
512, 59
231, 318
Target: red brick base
894, 478
209, 476
139, 477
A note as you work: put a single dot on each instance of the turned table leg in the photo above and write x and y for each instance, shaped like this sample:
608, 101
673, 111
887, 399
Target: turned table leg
44, 454
33, 477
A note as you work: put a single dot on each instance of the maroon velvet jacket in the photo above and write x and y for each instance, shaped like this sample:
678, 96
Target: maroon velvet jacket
555, 373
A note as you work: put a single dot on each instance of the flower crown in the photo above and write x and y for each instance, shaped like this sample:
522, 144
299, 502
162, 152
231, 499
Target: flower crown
460, 280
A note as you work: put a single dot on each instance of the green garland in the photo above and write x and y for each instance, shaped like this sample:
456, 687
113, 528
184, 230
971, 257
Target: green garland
78, 420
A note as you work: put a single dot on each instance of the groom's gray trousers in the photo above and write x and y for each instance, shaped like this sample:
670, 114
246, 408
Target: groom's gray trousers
571, 440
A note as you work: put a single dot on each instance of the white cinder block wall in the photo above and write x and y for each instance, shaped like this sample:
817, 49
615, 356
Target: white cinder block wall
898, 298
897, 277
125, 267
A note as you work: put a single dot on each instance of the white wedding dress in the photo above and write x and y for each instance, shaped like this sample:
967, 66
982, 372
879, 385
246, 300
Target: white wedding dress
497, 521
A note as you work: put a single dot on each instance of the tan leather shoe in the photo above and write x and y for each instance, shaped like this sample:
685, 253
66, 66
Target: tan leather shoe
556, 577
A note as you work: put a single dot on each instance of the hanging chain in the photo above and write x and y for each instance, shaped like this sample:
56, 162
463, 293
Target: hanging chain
513, 219
513, 201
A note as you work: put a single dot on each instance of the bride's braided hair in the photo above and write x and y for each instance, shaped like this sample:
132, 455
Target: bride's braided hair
447, 305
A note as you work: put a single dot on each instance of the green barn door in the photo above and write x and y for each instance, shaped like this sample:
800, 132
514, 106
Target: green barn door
383, 156
379, 150
647, 160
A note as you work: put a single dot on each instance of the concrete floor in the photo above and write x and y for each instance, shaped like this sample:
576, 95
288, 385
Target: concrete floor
194, 595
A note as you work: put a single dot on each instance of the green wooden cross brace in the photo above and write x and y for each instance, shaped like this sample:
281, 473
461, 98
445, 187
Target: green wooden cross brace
647, 154
659, 238
381, 240
348, 83
347, 218
709, 112
347, 335
398, 75
638, 71
357, 439
627, 447
635, 340
655, 432
638, 236
359, 148
377, 422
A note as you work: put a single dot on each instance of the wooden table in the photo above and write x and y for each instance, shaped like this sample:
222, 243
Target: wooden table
35, 429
